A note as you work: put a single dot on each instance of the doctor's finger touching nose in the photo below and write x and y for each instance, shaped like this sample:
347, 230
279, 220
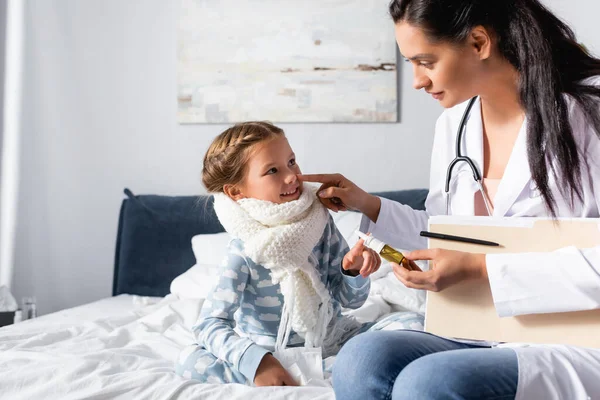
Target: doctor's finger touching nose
339, 194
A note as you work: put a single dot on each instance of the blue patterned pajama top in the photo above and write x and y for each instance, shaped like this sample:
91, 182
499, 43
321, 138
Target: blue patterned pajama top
240, 318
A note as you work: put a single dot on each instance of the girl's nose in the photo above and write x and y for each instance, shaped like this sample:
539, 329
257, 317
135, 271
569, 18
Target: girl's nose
291, 178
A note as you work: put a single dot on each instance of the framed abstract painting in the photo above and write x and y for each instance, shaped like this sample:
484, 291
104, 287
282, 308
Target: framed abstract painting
286, 61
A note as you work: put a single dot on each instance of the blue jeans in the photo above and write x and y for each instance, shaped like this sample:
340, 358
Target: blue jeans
417, 365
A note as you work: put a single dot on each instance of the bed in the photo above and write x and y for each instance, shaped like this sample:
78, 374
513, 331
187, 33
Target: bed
125, 346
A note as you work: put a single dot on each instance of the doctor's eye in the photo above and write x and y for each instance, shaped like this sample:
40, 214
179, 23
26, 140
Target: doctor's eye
427, 65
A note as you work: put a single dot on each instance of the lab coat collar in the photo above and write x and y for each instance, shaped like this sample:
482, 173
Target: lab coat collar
517, 175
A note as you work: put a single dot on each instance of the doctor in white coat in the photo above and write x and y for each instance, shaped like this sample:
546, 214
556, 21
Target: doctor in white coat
532, 135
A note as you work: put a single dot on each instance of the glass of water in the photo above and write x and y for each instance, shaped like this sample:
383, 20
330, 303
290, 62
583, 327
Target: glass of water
29, 308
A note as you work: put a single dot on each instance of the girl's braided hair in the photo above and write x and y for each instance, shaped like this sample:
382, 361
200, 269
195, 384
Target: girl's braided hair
226, 158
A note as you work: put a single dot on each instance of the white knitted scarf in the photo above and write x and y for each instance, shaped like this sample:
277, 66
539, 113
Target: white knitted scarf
281, 237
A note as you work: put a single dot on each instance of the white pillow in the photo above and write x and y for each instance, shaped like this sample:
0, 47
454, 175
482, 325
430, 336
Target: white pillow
209, 250
347, 223
195, 283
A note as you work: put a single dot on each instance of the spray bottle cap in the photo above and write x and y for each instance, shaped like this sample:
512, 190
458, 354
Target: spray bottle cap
371, 242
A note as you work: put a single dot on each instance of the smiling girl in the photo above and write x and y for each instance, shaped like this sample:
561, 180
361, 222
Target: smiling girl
288, 272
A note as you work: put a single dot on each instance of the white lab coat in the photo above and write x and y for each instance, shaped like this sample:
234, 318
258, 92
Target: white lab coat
566, 280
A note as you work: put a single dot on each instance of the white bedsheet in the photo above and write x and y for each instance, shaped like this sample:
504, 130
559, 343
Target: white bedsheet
125, 348
114, 349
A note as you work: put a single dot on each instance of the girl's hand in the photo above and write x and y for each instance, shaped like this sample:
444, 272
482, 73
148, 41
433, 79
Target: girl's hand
361, 260
448, 268
339, 194
270, 372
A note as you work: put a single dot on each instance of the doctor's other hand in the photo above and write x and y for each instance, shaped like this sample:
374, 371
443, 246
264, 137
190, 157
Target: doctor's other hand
448, 268
270, 372
339, 194
361, 260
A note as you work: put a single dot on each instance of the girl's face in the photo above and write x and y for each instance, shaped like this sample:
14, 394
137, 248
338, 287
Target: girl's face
449, 72
271, 173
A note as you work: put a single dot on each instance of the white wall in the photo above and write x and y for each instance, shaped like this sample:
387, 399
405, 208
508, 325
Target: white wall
100, 106
582, 16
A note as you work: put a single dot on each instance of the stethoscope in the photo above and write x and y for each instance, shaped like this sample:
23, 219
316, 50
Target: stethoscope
460, 158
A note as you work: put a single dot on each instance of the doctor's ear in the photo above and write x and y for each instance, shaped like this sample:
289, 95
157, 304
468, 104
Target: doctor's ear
233, 192
480, 40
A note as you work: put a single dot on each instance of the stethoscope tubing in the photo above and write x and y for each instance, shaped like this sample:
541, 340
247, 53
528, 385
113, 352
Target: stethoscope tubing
461, 158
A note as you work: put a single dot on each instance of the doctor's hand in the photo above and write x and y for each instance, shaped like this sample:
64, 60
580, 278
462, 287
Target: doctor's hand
340, 194
361, 260
448, 268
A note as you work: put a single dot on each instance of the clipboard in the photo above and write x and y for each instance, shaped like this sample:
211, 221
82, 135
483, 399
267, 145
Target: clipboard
467, 310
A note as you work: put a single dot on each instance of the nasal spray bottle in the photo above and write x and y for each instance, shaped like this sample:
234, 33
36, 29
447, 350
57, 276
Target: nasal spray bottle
385, 251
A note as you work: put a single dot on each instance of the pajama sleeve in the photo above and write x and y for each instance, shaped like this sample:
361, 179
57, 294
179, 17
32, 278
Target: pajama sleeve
214, 328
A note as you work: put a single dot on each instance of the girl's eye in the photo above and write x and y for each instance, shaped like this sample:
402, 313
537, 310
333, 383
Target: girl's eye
293, 162
272, 171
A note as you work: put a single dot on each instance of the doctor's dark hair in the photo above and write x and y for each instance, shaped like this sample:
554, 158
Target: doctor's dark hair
226, 158
550, 62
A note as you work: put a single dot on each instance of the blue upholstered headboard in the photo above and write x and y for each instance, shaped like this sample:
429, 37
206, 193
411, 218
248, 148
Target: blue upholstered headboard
155, 232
